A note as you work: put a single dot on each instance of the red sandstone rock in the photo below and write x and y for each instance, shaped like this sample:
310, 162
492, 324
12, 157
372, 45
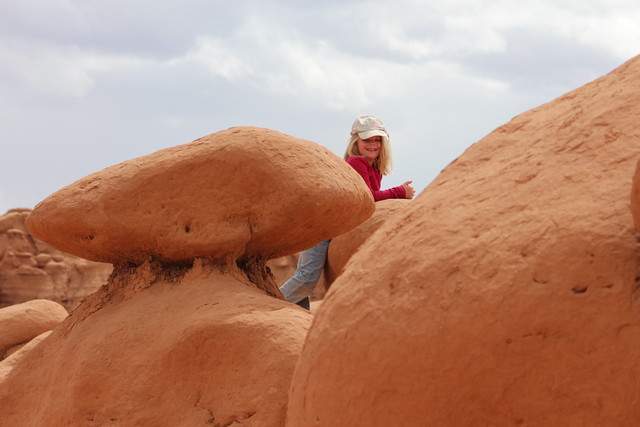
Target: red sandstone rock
506, 294
156, 348
31, 269
344, 246
22, 322
240, 193
187, 335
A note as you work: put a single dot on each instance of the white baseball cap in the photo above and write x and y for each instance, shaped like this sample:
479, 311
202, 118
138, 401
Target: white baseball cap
367, 126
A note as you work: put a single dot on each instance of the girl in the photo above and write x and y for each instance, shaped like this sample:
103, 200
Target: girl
369, 153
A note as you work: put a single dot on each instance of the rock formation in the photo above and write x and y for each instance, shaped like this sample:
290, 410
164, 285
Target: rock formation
187, 330
507, 294
343, 247
237, 194
31, 269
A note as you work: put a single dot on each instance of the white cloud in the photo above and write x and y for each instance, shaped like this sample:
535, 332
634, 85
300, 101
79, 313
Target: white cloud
221, 58
54, 69
285, 63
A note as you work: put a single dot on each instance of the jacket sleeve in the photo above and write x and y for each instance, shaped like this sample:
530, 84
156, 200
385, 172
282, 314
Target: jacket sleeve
360, 166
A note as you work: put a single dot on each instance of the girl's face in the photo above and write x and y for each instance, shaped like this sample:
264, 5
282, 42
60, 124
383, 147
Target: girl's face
370, 148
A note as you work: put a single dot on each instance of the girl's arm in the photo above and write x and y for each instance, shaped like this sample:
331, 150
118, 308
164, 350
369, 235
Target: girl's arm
361, 166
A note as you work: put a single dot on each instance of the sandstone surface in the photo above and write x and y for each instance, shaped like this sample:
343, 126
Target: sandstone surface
31, 269
344, 246
157, 347
22, 322
236, 194
507, 294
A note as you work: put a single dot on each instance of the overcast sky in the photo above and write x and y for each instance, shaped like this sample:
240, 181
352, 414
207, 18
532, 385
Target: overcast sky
85, 84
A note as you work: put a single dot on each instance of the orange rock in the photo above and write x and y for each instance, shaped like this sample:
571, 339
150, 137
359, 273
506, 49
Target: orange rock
507, 294
240, 193
344, 246
168, 348
22, 322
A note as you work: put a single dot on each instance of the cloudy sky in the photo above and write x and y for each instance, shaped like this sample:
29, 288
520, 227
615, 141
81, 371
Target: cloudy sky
85, 84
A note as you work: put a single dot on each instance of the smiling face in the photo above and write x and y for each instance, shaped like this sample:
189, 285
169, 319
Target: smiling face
370, 148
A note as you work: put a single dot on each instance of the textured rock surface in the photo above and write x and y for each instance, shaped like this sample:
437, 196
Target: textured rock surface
161, 348
22, 322
31, 269
506, 295
240, 193
16, 357
344, 246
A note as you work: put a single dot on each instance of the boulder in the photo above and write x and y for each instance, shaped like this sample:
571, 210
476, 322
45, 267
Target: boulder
344, 246
31, 269
240, 193
22, 322
507, 294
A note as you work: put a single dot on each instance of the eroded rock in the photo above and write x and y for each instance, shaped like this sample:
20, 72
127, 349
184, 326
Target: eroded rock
203, 347
186, 331
236, 194
506, 294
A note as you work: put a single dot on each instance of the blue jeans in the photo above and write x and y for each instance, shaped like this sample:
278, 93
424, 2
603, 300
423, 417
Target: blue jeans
308, 272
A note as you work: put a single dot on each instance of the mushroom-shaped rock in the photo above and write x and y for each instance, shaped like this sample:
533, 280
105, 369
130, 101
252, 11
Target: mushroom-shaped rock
236, 194
20, 323
207, 348
507, 294
344, 246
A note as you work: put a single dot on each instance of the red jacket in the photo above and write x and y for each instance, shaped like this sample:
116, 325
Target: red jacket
373, 178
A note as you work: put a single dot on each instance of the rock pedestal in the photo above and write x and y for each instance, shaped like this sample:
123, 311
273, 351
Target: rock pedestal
190, 328
208, 348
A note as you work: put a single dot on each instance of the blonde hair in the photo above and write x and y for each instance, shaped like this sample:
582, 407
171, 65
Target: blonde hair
382, 163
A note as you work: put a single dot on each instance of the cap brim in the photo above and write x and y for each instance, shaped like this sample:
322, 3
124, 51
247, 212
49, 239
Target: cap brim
368, 134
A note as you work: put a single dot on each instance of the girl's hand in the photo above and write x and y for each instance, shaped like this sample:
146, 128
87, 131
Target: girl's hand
408, 190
